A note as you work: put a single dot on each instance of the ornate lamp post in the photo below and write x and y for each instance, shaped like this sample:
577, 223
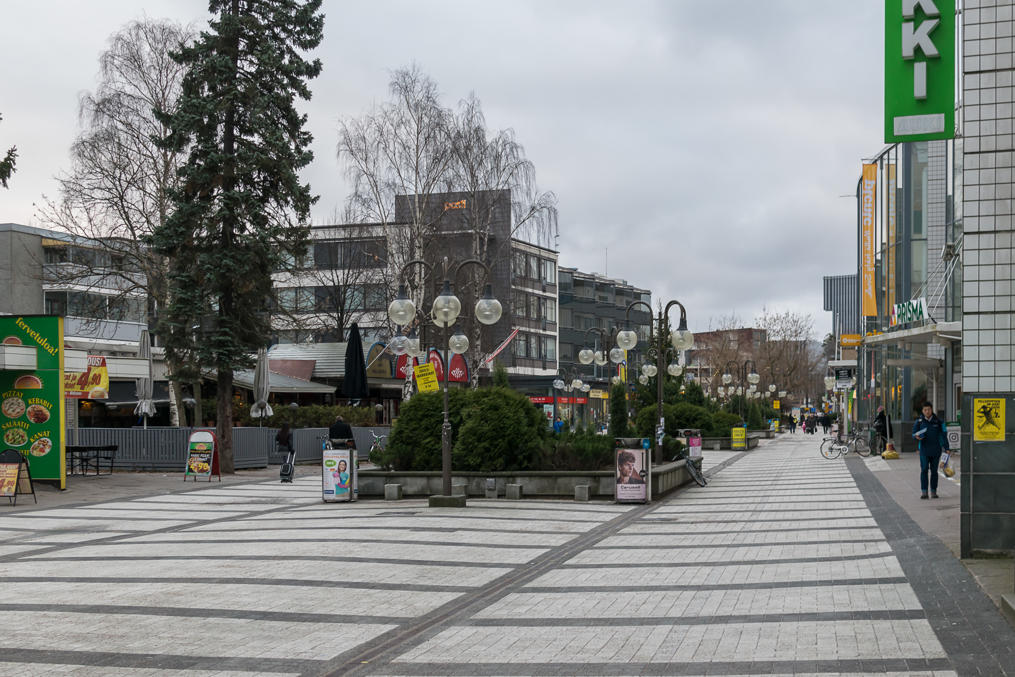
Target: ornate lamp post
747, 382
567, 381
445, 311
598, 353
680, 339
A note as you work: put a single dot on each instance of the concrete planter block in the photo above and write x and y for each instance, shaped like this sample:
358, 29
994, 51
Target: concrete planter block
392, 492
513, 491
459, 489
447, 501
581, 492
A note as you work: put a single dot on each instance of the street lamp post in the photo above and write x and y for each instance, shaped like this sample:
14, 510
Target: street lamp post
599, 354
445, 311
680, 338
567, 381
747, 382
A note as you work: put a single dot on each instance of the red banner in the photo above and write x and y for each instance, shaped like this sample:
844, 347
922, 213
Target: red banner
438, 363
404, 365
458, 371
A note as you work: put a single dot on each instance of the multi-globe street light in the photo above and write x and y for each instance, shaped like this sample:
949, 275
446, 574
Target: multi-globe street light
568, 380
680, 339
445, 311
747, 381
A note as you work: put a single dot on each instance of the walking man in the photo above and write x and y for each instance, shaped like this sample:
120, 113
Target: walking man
932, 438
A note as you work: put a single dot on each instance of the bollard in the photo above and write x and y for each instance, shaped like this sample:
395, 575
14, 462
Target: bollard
513, 491
392, 492
581, 492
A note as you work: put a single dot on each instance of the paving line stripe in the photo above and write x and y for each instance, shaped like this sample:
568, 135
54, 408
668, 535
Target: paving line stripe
730, 562
541, 520
865, 666
706, 587
373, 541
277, 558
433, 529
678, 621
214, 664
385, 648
198, 612
686, 546
751, 520
742, 532
283, 582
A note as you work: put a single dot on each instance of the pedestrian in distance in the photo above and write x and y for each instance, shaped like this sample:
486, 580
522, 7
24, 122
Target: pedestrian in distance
558, 425
340, 430
932, 439
792, 423
882, 425
826, 423
284, 439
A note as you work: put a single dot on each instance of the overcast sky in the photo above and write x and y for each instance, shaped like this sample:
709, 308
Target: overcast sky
699, 149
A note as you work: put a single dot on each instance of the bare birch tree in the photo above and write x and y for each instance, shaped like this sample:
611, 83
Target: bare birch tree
117, 188
413, 148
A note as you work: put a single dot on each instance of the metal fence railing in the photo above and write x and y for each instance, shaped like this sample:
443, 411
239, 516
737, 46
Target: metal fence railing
165, 448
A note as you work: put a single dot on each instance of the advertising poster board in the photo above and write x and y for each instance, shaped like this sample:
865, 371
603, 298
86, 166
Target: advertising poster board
426, 377
739, 437
632, 474
33, 415
694, 446
338, 476
92, 384
202, 456
988, 419
9, 478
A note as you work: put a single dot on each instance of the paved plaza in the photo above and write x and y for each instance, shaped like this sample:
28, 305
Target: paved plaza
786, 563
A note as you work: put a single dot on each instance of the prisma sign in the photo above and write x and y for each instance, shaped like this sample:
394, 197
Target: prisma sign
919, 70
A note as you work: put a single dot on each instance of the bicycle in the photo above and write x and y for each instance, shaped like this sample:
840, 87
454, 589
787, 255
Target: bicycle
376, 445
695, 472
834, 447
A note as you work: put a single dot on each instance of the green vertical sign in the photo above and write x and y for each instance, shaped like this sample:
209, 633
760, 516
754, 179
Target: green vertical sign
31, 400
919, 70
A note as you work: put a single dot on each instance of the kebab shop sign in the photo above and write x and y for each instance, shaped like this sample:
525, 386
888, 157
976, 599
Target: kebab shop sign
31, 402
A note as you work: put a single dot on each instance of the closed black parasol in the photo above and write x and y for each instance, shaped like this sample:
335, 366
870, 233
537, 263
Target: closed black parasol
354, 384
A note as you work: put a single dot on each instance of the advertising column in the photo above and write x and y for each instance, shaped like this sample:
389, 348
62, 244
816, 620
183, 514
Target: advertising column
32, 417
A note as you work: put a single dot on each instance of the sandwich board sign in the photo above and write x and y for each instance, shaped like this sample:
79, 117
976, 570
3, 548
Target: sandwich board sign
202, 456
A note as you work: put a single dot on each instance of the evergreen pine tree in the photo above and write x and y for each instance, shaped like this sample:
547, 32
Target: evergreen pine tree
240, 207
618, 411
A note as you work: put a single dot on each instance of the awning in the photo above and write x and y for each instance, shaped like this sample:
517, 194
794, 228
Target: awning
934, 332
280, 383
18, 357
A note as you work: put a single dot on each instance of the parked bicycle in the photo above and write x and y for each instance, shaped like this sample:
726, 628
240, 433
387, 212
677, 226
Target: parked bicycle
858, 441
378, 443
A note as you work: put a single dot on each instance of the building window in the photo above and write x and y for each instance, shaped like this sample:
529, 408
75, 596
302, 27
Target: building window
533, 307
533, 268
567, 352
56, 255
566, 318
549, 310
518, 264
549, 348
56, 301
566, 280
549, 272
518, 305
521, 345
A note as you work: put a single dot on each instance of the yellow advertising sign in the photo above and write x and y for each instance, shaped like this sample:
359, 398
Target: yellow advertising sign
775, 404
739, 437
891, 234
988, 419
597, 394
9, 478
92, 384
850, 340
426, 377
868, 193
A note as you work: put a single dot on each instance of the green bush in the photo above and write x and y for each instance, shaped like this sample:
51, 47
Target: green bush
415, 440
722, 423
501, 430
754, 418
582, 450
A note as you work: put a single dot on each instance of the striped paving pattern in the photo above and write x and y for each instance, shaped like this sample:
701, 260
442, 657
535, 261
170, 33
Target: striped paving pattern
777, 567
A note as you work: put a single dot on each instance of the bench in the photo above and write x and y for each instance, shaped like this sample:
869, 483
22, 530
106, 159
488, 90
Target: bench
82, 459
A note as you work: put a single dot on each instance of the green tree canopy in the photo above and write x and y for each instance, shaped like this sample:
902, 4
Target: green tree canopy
240, 207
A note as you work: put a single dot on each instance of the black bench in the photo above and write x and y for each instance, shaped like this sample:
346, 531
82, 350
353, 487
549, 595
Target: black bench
83, 458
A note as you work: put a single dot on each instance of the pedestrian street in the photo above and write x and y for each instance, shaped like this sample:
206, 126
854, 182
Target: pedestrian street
786, 563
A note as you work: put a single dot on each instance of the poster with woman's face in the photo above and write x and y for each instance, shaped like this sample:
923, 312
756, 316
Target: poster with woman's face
631, 475
336, 479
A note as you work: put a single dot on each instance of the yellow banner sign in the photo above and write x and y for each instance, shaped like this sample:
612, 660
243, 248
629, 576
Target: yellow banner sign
776, 404
597, 394
92, 384
988, 419
868, 193
426, 378
739, 435
850, 340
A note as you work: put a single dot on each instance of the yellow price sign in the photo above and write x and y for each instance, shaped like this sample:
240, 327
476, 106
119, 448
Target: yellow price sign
988, 419
426, 378
775, 404
739, 435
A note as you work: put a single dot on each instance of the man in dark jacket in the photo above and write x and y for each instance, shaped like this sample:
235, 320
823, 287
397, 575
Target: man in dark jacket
883, 427
932, 438
340, 430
